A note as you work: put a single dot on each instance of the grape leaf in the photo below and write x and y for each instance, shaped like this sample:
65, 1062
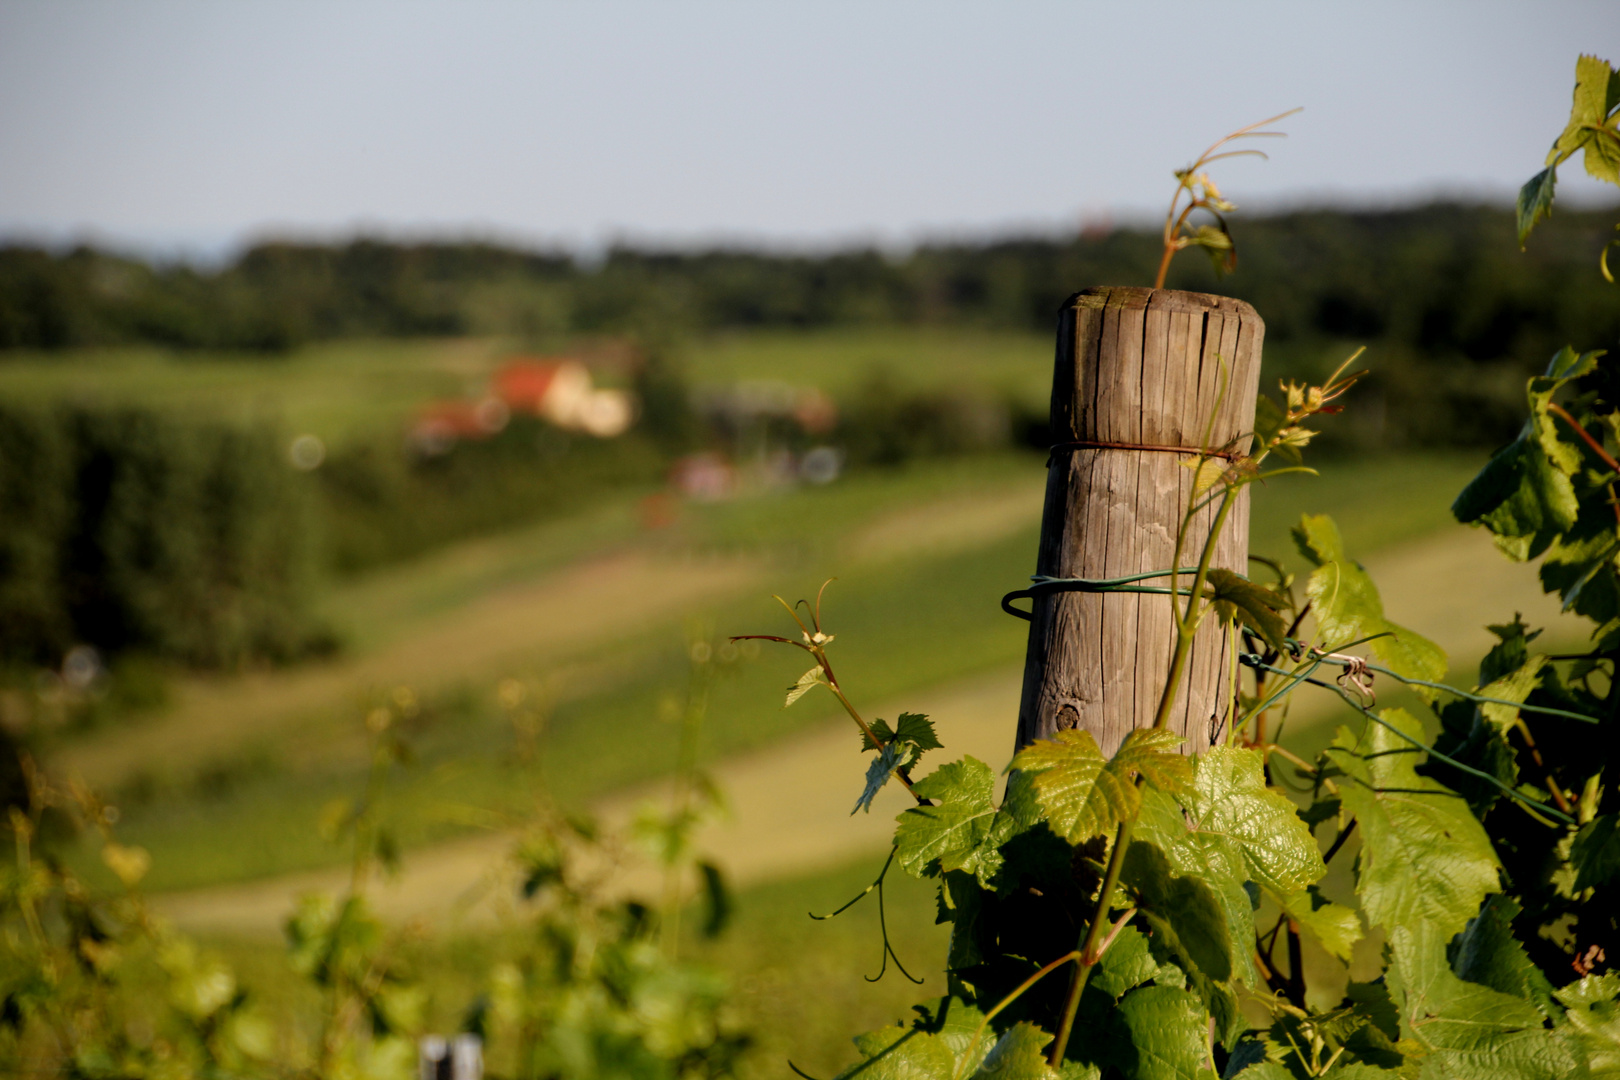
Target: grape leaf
954, 1023
1470, 1031
1235, 830
1017, 1056
1524, 495
1514, 686
1254, 605
1592, 1023
963, 832
1183, 910
1126, 964
1082, 794
917, 728
1355, 1070
893, 756
1231, 807
1347, 607
1588, 110
1602, 158
806, 683
1424, 856
911, 727
1535, 201
897, 1052
1487, 953
1596, 852
1165, 1031
1337, 927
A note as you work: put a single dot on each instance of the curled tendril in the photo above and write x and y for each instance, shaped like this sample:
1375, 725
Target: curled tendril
883, 922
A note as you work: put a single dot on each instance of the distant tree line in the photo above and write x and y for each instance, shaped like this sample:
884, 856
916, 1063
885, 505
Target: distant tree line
1443, 279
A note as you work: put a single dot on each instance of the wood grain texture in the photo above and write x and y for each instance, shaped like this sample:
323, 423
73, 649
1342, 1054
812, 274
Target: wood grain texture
1154, 367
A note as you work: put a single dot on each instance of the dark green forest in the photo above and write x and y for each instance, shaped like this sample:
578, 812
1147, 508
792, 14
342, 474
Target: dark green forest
1444, 280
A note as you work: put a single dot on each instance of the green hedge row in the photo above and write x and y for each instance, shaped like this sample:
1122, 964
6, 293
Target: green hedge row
129, 530
141, 531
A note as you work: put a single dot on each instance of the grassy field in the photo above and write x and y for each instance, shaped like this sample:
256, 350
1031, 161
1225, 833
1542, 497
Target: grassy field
226, 786
343, 390
841, 360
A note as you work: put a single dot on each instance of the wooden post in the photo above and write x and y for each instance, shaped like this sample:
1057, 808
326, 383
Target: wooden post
1140, 366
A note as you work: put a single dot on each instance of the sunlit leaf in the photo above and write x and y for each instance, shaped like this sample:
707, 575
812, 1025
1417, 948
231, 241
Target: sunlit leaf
1588, 110
1337, 927
1207, 472
899, 1052
963, 832
1081, 794
1592, 1023
1234, 831
1424, 856
1017, 1056
1486, 952
1347, 607
1470, 1031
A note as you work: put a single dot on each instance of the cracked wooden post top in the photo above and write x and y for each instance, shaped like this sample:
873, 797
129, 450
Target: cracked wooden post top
1141, 367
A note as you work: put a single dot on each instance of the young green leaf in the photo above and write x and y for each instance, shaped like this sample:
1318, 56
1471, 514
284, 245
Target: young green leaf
963, 832
1082, 794
893, 756
1230, 807
1257, 607
1424, 856
881, 731
1535, 201
1588, 111
1208, 472
810, 679
1516, 685
954, 1023
917, 728
1269, 421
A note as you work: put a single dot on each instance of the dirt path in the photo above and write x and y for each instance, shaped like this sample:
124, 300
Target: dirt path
790, 802
587, 604
569, 611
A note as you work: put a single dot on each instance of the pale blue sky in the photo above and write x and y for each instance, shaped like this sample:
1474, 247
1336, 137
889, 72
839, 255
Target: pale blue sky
196, 125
